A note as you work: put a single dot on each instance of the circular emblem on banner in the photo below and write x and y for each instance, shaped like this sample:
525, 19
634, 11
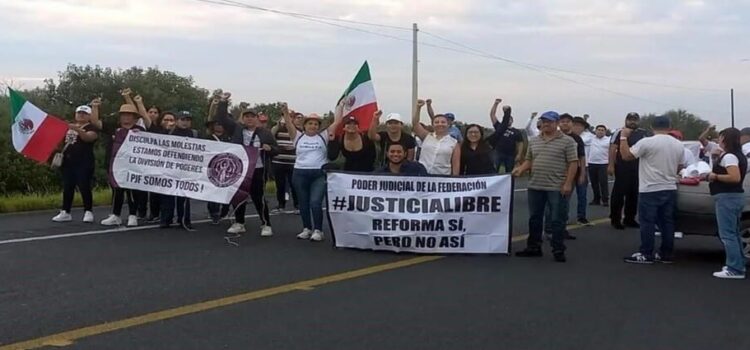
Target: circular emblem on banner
224, 169
26, 126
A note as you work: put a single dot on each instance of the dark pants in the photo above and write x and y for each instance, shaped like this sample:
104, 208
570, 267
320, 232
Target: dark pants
154, 203
624, 193
168, 205
81, 177
599, 182
506, 161
257, 195
133, 197
581, 193
657, 208
538, 201
217, 210
283, 175
564, 214
143, 205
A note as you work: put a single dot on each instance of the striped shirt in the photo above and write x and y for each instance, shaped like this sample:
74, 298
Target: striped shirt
550, 159
286, 154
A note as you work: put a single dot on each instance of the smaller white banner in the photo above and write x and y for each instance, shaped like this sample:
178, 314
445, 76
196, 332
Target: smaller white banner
420, 214
182, 166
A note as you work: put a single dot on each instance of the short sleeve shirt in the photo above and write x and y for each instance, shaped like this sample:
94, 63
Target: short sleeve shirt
550, 159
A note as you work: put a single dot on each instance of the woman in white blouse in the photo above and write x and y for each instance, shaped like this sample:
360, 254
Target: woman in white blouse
437, 147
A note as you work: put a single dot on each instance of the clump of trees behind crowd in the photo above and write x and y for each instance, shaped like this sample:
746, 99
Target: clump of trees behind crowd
78, 85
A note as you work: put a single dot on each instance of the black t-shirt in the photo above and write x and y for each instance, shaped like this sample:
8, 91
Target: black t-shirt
78, 153
183, 132
580, 150
406, 140
477, 161
505, 143
634, 137
362, 160
110, 130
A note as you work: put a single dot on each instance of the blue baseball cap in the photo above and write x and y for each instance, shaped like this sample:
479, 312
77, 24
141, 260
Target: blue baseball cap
450, 116
551, 116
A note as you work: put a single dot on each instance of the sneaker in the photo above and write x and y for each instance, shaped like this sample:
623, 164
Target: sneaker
88, 217
317, 236
111, 220
560, 257
305, 234
584, 222
657, 234
296, 212
727, 274
236, 228
638, 258
266, 231
678, 234
529, 253
132, 220
153, 220
664, 260
63, 216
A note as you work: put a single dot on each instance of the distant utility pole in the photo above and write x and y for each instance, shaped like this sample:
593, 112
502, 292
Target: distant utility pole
731, 99
414, 72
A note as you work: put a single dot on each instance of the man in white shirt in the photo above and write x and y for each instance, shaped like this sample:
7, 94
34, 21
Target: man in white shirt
598, 160
660, 160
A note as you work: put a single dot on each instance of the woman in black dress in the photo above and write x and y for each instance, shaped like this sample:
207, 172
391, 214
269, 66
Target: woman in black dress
475, 154
358, 150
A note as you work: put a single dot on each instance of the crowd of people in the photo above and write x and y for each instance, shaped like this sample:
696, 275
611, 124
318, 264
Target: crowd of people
561, 153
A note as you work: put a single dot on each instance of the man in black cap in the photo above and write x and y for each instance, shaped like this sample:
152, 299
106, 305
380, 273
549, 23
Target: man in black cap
625, 189
661, 157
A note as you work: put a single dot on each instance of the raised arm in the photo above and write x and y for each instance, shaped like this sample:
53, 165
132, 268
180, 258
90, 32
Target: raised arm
142, 110
372, 133
493, 111
95, 121
290, 128
531, 129
222, 112
502, 127
703, 138
126, 95
338, 115
419, 130
430, 111
213, 108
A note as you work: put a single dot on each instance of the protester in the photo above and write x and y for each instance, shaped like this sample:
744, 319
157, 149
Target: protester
283, 164
309, 178
532, 128
170, 203
250, 134
580, 129
507, 140
598, 161
688, 158
398, 164
393, 133
553, 161
745, 140
437, 150
474, 155
78, 162
625, 189
711, 149
216, 132
453, 130
358, 150
725, 185
128, 118
660, 160
164, 125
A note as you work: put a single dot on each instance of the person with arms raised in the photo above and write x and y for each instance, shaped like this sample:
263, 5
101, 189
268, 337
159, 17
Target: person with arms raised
438, 147
358, 150
507, 140
394, 133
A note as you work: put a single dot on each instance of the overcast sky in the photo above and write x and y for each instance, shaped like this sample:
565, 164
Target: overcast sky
266, 57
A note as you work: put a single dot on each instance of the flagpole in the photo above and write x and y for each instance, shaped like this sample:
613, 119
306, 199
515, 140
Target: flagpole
414, 72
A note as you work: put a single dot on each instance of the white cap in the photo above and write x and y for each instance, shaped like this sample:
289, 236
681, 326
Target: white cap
393, 116
84, 109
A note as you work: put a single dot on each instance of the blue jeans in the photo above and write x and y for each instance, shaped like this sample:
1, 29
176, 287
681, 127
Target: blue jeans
310, 185
657, 208
582, 192
507, 161
728, 214
564, 215
538, 202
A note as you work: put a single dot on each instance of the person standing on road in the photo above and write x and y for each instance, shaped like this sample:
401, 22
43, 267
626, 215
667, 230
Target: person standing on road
507, 140
250, 134
393, 133
725, 185
598, 161
625, 189
358, 150
217, 211
283, 163
78, 162
309, 178
745, 140
474, 155
165, 125
553, 161
660, 160
182, 204
580, 129
437, 147
398, 164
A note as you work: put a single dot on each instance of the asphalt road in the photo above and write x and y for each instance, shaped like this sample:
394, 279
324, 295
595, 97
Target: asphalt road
170, 289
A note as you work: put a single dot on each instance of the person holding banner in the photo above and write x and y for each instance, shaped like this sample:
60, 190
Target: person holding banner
217, 211
128, 116
182, 204
309, 178
553, 161
474, 155
358, 150
250, 133
438, 147
393, 133
398, 164
78, 162
165, 125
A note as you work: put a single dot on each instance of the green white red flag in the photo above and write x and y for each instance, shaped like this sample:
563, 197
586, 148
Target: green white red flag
35, 133
359, 98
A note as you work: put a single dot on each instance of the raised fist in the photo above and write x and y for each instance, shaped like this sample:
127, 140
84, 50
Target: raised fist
138, 98
429, 101
126, 92
226, 95
377, 114
96, 102
420, 103
498, 100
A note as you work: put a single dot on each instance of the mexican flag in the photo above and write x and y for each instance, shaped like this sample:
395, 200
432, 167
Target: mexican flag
359, 98
35, 133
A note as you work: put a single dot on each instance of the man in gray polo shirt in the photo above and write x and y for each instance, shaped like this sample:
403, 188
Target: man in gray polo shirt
553, 161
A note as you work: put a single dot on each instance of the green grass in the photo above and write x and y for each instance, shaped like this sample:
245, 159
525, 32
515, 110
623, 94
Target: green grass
15, 203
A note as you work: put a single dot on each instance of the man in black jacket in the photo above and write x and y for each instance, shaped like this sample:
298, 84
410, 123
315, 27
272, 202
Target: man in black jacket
250, 133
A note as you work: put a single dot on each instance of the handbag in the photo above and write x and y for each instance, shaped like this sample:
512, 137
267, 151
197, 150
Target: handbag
57, 160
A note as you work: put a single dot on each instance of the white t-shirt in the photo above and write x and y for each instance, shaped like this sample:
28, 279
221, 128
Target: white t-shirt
688, 158
437, 153
587, 138
250, 139
660, 156
311, 151
599, 153
746, 152
729, 160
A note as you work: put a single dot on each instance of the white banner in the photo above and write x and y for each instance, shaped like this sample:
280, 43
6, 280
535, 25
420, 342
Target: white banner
420, 214
182, 166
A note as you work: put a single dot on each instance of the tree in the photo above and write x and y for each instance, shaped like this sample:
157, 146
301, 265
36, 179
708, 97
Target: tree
689, 124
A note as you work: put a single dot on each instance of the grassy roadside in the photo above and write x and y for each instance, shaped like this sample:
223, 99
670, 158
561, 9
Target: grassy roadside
15, 203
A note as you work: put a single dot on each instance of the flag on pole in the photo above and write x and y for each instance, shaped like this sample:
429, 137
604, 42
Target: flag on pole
35, 133
359, 98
